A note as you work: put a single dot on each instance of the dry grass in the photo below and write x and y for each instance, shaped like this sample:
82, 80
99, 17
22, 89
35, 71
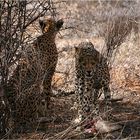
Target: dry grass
114, 34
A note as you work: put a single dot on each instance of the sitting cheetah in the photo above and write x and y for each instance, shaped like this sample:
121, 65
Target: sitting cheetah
29, 88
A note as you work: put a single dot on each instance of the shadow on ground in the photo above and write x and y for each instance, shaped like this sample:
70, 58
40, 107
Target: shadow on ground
61, 114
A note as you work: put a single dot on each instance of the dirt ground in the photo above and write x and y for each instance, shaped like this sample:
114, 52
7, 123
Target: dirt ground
59, 126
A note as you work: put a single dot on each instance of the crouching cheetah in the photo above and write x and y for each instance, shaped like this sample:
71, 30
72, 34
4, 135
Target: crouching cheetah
92, 74
30, 85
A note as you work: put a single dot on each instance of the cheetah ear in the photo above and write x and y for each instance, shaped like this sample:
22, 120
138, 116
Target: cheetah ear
77, 49
42, 24
59, 23
97, 56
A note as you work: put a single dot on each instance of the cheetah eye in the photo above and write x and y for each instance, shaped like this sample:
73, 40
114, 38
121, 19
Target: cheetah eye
83, 62
93, 63
49, 22
80, 60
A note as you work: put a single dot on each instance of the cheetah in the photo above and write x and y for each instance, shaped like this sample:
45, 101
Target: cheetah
29, 88
92, 74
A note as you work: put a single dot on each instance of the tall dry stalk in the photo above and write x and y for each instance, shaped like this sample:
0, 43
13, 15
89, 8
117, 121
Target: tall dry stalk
116, 32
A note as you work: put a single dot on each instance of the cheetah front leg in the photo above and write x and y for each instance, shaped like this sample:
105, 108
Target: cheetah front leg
79, 98
95, 101
107, 96
47, 88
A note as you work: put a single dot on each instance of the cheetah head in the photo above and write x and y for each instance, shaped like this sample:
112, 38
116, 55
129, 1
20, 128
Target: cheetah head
87, 57
50, 25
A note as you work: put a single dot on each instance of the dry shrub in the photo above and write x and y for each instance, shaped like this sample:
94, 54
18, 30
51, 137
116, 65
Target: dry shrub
17, 19
116, 32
